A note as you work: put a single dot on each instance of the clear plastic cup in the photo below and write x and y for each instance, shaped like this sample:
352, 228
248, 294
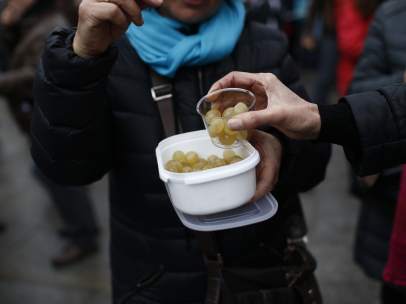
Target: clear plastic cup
222, 101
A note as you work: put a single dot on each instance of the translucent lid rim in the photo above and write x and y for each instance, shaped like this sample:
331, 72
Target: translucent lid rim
226, 225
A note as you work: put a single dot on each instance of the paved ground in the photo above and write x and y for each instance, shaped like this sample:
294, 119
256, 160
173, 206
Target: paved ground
26, 277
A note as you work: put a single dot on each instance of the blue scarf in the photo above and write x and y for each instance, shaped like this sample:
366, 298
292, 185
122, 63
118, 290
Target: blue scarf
161, 44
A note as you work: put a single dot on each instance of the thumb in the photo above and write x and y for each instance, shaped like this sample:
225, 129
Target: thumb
250, 120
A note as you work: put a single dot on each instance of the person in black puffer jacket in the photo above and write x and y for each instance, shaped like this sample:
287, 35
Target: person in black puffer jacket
94, 114
382, 63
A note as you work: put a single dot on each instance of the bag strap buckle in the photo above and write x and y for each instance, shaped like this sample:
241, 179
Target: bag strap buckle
161, 92
298, 241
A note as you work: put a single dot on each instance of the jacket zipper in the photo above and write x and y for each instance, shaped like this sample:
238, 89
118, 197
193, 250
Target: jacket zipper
151, 278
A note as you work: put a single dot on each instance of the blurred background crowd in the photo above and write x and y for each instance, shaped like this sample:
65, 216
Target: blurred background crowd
53, 239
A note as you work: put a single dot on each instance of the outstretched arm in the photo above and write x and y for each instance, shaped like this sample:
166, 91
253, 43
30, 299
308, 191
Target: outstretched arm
370, 126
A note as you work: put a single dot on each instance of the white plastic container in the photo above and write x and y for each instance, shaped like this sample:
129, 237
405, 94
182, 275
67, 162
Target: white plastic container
211, 191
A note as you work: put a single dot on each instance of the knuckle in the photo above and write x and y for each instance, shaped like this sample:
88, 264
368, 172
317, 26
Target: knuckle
115, 12
251, 120
84, 8
231, 76
269, 79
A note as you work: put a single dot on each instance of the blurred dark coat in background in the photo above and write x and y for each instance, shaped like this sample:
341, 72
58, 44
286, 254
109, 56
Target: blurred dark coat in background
25, 43
22, 42
266, 11
383, 62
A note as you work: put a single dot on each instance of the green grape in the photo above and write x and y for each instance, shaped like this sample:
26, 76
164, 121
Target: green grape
230, 132
228, 113
216, 127
220, 163
211, 115
199, 165
242, 135
228, 155
240, 108
174, 166
194, 163
187, 169
212, 159
208, 167
235, 159
179, 156
192, 157
227, 140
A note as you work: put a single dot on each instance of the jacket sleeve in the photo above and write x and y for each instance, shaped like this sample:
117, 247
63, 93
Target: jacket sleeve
380, 118
304, 162
72, 124
373, 70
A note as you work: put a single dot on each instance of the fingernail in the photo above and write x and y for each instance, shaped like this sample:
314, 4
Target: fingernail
235, 124
139, 21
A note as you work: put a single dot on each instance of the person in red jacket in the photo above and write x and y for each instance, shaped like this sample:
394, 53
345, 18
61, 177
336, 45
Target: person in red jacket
352, 21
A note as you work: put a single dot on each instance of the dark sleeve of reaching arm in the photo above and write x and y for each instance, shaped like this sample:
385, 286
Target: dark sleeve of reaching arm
71, 125
338, 125
374, 135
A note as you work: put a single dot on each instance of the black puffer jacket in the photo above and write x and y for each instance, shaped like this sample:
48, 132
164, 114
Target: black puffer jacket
380, 115
383, 61
380, 120
97, 116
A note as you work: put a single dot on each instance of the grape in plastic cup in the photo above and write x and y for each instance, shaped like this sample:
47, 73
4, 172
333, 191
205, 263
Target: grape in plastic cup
221, 100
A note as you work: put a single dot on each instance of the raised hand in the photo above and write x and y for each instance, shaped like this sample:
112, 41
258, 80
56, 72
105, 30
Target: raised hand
101, 22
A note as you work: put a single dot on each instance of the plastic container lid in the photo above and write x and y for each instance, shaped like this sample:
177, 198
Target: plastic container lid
248, 214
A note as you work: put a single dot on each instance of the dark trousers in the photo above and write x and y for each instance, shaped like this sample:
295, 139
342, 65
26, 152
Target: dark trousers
393, 294
75, 208
326, 70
